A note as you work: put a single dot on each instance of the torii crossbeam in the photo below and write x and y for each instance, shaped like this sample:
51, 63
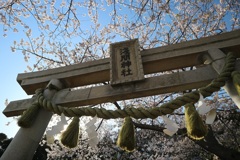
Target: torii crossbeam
186, 54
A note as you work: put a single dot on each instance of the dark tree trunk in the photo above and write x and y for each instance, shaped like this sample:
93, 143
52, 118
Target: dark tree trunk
211, 144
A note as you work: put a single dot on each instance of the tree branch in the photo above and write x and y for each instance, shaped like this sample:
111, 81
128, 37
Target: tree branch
211, 144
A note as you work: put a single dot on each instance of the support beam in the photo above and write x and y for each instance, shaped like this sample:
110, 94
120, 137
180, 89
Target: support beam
169, 83
26, 141
155, 85
159, 59
151, 86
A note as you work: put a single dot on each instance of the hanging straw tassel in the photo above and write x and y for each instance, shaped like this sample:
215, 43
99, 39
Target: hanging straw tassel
69, 137
126, 137
236, 80
28, 117
194, 124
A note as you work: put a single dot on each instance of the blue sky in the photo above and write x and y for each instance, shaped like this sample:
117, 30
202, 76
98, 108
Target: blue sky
11, 65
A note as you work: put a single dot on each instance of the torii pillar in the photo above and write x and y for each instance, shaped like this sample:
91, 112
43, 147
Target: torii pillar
29, 138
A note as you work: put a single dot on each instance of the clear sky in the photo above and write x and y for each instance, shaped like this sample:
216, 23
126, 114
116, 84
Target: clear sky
11, 64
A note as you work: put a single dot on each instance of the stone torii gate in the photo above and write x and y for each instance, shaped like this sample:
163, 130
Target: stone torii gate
125, 70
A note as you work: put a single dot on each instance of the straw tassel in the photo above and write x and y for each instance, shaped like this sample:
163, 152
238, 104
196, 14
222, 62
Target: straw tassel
236, 80
28, 117
69, 137
126, 137
194, 124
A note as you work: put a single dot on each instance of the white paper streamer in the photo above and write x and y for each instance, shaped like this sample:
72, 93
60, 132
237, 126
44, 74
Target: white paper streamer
93, 141
171, 127
56, 129
50, 139
91, 131
166, 131
202, 106
203, 109
211, 116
